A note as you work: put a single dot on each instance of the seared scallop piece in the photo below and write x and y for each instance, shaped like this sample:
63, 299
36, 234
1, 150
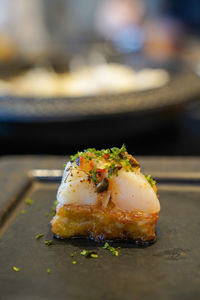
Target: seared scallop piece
104, 196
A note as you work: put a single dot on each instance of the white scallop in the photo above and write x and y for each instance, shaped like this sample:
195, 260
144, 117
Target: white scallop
75, 188
134, 193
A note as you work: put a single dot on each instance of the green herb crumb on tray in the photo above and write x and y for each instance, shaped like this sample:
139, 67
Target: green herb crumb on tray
16, 269
89, 254
113, 250
38, 236
48, 271
48, 243
29, 201
74, 262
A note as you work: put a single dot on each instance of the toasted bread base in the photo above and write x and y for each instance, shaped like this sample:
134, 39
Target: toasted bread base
103, 224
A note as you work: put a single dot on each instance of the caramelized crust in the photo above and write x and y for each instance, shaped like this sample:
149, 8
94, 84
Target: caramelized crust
103, 224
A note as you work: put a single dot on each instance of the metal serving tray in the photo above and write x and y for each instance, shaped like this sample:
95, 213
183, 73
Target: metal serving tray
168, 269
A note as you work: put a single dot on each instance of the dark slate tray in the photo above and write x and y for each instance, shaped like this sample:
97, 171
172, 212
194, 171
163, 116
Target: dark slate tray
168, 269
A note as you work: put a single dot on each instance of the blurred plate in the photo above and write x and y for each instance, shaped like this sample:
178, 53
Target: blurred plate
182, 87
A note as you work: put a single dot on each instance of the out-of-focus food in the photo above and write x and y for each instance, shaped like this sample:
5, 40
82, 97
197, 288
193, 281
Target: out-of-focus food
94, 80
8, 49
104, 196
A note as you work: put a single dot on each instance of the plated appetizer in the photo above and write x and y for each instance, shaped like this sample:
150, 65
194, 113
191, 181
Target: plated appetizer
104, 196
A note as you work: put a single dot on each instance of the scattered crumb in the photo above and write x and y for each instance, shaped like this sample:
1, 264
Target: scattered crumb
38, 236
48, 243
29, 201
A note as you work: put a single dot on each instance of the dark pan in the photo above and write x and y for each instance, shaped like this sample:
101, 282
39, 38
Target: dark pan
183, 86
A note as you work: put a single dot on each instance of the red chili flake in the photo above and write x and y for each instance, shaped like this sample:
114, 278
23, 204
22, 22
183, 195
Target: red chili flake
92, 165
81, 159
101, 171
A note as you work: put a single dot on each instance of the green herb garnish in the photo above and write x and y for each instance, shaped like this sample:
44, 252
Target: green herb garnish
16, 269
114, 158
94, 176
38, 236
47, 214
29, 201
150, 180
22, 211
48, 271
113, 250
93, 255
74, 262
73, 254
48, 243
89, 254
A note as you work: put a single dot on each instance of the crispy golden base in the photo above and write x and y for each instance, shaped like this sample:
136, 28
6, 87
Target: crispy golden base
103, 224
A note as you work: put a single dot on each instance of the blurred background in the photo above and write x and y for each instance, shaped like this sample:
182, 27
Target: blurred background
99, 73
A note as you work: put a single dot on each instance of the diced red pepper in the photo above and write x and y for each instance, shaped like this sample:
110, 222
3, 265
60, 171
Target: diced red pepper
91, 165
81, 159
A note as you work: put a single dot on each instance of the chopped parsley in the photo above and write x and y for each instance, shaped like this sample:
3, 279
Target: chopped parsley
38, 236
114, 159
113, 250
73, 254
48, 243
74, 262
112, 154
29, 201
93, 255
47, 214
16, 269
48, 271
94, 176
89, 254
150, 180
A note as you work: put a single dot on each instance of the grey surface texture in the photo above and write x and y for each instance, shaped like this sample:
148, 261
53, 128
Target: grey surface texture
168, 269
